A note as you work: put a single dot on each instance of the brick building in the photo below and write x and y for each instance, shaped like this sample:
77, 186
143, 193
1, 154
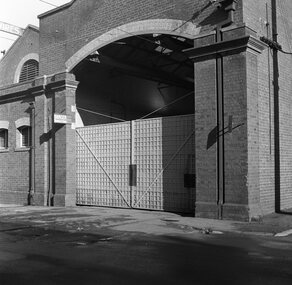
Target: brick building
163, 105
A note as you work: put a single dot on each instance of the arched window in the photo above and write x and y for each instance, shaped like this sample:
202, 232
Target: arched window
3, 139
4, 125
25, 136
29, 71
23, 133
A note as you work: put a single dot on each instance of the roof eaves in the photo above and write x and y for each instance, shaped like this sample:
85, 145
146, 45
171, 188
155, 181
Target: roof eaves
56, 10
29, 26
32, 27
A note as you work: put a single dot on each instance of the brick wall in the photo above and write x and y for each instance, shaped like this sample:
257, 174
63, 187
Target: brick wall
285, 110
15, 162
236, 147
205, 122
255, 15
66, 31
28, 43
248, 91
15, 167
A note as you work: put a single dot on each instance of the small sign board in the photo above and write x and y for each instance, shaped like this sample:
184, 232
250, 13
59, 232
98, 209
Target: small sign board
11, 29
61, 119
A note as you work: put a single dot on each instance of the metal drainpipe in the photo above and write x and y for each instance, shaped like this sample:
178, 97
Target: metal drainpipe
32, 178
220, 111
276, 109
50, 166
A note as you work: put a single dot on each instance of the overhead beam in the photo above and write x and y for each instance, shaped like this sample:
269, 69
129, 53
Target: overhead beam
153, 53
146, 72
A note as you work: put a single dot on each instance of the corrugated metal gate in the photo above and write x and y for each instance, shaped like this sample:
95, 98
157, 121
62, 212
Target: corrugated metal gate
162, 149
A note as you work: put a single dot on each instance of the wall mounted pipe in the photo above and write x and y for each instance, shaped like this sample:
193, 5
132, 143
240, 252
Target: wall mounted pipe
276, 109
32, 156
220, 109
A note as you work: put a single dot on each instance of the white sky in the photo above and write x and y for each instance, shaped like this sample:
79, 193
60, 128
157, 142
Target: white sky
21, 13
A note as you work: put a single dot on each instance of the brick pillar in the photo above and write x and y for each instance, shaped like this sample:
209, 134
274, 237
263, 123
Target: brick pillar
241, 193
205, 137
40, 125
61, 92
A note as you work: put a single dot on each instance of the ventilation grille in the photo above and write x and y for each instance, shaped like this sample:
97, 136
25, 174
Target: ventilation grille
29, 71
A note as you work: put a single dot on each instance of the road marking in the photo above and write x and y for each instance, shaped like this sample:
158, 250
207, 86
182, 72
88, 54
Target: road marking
284, 234
217, 232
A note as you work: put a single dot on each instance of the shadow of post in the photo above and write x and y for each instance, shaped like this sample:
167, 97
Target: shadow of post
178, 160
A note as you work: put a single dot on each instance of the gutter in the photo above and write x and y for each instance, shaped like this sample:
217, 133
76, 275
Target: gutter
56, 10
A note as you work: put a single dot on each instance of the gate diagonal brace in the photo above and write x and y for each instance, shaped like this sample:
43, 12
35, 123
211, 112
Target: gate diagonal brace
162, 170
90, 150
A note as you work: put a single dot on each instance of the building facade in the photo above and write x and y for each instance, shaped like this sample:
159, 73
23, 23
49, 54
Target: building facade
169, 105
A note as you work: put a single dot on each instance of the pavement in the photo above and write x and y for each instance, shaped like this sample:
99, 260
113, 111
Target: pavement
94, 219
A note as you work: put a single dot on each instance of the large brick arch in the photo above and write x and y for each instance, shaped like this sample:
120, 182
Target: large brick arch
159, 26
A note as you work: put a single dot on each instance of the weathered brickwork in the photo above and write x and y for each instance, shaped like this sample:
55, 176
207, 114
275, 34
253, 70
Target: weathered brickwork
257, 14
236, 151
253, 135
27, 44
69, 34
15, 169
66, 32
205, 122
15, 162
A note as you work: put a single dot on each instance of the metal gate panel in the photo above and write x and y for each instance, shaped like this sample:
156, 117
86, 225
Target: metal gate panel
164, 151
103, 158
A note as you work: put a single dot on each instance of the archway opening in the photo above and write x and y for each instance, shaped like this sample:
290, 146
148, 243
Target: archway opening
136, 77
147, 163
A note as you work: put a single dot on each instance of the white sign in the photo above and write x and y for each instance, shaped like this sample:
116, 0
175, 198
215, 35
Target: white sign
61, 119
11, 29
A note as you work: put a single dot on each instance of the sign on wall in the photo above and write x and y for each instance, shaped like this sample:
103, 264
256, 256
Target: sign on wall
11, 29
61, 119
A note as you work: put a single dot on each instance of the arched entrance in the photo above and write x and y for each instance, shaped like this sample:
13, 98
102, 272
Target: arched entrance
136, 100
157, 26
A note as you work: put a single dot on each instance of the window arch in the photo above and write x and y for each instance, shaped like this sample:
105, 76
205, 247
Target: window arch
3, 139
23, 133
4, 125
29, 70
25, 136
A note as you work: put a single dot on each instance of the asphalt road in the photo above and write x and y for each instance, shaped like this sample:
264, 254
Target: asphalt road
32, 255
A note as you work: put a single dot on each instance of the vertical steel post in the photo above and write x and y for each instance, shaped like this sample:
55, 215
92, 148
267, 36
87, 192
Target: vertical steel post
220, 110
32, 156
220, 122
276, 109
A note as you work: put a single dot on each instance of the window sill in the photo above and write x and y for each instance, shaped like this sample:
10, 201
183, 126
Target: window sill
4, 150
19, 149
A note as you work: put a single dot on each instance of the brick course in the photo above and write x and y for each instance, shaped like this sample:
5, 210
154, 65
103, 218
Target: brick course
62, 34
255, 16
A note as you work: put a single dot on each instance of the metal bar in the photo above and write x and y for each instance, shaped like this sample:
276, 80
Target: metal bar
162, 170
100, 114
133, 154
276, 111
220, 122
90, 150
48, 3
269, 81
173, 102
